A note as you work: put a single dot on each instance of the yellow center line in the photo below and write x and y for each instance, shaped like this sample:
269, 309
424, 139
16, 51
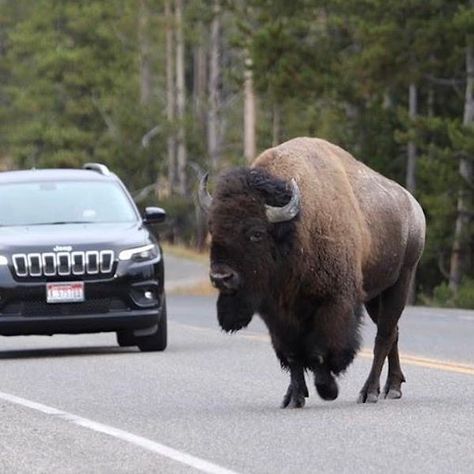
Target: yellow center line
448, 366
366, 353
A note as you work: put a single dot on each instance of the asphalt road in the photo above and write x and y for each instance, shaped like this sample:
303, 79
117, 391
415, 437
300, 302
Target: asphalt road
209, 403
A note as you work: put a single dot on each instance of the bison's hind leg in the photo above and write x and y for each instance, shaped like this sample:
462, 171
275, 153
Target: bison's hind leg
385, 310
395, 377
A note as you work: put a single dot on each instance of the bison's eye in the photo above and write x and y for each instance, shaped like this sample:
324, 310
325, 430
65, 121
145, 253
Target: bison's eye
256, 236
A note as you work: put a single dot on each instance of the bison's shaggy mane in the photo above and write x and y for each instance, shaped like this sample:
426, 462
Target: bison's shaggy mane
273, 190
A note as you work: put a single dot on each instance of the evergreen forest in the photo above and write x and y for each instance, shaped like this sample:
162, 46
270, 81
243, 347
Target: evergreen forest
164, 90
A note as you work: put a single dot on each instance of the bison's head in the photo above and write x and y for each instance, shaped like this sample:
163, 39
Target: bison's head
251, 221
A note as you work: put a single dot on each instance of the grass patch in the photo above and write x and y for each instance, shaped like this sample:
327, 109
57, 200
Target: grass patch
186, 252
201, 288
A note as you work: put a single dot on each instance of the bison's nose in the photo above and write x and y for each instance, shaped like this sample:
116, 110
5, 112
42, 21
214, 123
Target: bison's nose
225, 279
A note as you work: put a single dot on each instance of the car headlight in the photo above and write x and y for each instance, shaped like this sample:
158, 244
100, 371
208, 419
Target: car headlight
3, 260
141, 254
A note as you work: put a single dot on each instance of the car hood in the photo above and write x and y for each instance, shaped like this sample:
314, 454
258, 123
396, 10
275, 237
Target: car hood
77, 236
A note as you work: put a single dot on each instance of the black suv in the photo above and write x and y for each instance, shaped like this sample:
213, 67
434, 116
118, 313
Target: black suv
77, 257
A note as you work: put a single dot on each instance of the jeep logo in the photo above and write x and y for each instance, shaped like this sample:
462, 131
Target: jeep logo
62, 248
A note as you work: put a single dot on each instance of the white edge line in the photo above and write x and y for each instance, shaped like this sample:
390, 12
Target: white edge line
153, 446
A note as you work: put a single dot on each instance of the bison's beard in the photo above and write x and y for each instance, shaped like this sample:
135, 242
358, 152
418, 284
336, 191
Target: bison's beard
234, 312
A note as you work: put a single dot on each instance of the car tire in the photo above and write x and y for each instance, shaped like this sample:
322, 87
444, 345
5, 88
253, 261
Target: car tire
159, 340
154, 342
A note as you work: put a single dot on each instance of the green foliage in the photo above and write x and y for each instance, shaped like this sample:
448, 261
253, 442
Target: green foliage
465, 296
444, 297
180, 224
54, 95
73, 89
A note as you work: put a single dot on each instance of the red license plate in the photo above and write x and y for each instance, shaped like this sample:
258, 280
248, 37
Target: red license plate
65, 292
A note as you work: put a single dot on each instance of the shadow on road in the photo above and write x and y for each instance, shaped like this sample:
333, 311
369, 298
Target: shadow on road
65, 352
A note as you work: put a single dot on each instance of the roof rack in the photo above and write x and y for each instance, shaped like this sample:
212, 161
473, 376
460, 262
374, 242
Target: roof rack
99, 167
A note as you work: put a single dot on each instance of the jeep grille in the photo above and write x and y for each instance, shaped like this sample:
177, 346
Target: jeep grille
92, 262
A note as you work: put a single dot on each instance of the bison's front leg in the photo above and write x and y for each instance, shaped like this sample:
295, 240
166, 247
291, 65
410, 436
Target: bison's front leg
297, 390
324, 381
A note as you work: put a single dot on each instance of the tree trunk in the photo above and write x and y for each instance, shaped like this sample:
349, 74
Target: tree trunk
200, 79
431, 101
145, 57
213, 130
411, 148
460, 255
276, 124
387, 102
249, 112
170, 97
181, 156
411, 167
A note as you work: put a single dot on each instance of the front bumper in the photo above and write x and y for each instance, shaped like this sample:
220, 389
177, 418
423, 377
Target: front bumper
78, 324
111, 304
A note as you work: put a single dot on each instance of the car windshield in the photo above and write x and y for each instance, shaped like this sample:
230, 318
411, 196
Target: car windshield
63, 202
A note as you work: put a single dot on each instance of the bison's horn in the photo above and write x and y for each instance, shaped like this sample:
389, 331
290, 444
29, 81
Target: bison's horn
288, 211
205, 199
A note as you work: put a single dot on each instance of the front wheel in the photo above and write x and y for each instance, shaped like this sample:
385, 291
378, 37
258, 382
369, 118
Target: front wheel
154, 342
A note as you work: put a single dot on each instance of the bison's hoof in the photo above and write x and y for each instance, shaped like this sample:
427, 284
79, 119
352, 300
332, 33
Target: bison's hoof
292, 399
295, 402
393, 394
328, 391
368, 397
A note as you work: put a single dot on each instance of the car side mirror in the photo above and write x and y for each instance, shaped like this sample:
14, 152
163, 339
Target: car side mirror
154, 215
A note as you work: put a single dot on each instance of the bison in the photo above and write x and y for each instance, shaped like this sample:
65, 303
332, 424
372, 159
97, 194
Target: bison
306, 237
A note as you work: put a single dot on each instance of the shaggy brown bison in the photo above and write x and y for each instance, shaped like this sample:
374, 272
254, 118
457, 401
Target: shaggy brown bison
305, 237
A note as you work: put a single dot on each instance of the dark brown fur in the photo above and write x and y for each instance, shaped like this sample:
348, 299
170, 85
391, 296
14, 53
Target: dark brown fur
356, 240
